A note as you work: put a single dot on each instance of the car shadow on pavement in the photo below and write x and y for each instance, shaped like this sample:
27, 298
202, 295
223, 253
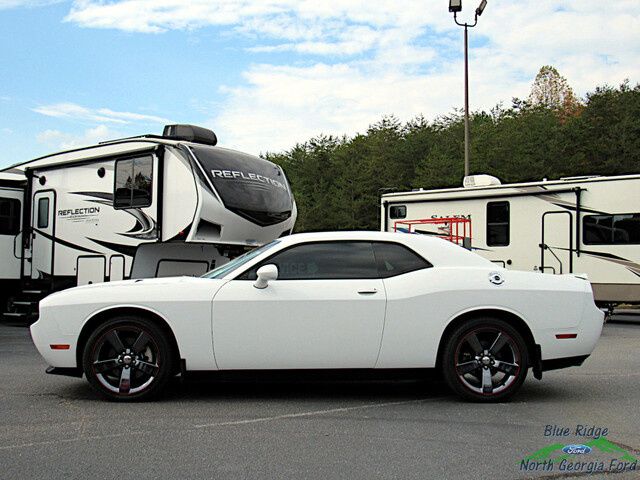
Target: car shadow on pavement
209, 387
304, 390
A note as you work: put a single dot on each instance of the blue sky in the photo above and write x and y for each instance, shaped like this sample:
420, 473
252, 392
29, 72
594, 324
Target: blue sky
267, 74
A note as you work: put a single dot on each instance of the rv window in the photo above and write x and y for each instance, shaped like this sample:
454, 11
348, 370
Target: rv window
9, 216
133, 187
43, 213
622, 229
397, 211
497, 224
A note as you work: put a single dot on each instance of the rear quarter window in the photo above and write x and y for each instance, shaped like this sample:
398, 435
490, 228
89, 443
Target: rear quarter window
394, 259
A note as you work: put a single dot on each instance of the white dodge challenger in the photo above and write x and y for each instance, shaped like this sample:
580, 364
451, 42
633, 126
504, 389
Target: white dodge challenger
333, 300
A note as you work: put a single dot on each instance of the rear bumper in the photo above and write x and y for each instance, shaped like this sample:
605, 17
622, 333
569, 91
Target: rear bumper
558, 363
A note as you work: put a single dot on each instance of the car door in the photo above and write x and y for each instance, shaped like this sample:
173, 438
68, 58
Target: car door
325, 310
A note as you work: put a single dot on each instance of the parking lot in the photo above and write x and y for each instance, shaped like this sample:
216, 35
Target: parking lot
57, 427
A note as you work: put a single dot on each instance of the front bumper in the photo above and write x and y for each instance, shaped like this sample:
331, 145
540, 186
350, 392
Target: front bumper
44, 333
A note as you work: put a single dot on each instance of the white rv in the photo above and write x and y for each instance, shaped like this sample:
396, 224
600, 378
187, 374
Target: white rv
573, 225
148, 206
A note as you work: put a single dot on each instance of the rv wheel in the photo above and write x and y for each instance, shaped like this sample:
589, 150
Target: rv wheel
128, 358
485, 360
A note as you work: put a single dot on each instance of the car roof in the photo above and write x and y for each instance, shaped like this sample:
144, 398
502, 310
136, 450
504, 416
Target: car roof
436, 250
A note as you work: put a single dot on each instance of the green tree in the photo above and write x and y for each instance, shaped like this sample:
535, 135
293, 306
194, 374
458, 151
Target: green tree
337, 182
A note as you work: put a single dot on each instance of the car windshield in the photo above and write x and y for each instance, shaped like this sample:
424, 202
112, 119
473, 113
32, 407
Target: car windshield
237, 262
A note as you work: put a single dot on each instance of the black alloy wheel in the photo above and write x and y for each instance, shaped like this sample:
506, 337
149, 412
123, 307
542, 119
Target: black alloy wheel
128, 358
485, 360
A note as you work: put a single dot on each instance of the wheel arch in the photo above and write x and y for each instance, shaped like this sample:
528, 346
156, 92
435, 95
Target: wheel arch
513, 318
101, 316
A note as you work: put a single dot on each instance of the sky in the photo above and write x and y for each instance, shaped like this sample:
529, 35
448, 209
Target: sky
266, 74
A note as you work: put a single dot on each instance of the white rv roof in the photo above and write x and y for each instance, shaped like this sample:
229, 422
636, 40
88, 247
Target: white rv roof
12, 177
93, 151
544, 183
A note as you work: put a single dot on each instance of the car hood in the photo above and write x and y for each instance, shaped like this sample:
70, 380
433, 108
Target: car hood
143, 282
127, 289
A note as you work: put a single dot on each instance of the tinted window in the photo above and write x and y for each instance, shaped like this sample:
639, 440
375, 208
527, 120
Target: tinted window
43, 213
239, 261
622, 229
497, 224
397, 211
394, 259
9, 216
133, 187
325, 260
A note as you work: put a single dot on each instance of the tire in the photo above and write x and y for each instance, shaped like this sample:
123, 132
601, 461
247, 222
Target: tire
485, 360
128, 358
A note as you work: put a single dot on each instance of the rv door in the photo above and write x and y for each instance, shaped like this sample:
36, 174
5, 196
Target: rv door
43, 243
557, 242
10, 233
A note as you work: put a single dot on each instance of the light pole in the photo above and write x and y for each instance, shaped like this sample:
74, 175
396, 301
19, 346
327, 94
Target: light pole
455, 6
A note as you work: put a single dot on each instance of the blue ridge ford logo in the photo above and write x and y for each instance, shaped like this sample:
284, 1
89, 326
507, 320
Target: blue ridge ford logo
576, 449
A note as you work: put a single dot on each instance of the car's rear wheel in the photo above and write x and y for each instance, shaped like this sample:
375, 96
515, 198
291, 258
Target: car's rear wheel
485, 360
128, 358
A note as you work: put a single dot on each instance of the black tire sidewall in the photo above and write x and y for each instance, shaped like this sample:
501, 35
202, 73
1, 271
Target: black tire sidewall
449, 360
164, 351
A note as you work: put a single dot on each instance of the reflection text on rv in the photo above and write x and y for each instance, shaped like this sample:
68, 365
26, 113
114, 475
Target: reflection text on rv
247, 176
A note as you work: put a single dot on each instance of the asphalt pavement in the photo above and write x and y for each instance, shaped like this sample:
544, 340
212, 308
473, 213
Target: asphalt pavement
56, 427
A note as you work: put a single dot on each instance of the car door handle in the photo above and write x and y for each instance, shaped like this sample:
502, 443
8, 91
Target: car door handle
369, 291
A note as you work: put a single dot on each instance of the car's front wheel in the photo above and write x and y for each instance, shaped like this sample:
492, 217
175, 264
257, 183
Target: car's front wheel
485, 360
128, 358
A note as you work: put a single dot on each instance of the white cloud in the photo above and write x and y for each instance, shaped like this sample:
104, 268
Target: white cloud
74, 111
326, 28
382, 57
284, 105
64, 140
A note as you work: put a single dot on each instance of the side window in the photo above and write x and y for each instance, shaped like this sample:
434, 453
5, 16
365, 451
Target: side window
397, 211
322, 260
394, 259
134, 183
621, 229
497, 224
9, 216
43, 213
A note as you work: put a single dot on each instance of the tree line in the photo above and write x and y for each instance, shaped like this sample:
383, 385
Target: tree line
337, 181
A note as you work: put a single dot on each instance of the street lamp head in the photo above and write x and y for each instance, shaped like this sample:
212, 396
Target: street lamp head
455, 6
481, 7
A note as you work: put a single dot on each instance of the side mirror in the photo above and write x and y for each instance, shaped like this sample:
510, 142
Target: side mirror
266, 274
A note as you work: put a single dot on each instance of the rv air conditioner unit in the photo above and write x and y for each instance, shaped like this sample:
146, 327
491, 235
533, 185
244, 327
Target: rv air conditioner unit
480, 181
190, 133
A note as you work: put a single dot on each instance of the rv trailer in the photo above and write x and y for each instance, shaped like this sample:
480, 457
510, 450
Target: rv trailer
148, 206
573, 225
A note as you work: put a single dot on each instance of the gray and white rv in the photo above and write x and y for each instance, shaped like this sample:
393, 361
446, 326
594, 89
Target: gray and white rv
148, 206
573, 225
